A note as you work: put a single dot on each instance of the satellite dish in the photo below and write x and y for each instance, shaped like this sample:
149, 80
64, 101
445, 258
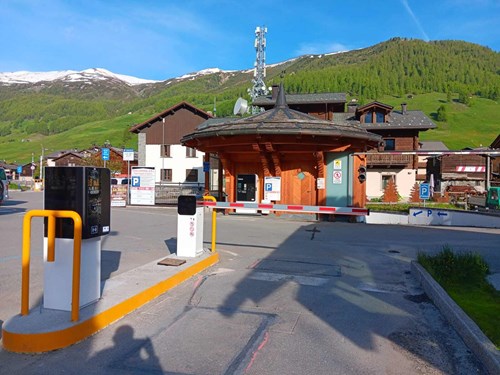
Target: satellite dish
240, 107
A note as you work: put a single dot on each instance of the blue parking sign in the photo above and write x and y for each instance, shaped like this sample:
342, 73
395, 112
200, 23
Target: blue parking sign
136, 181
425, 191
268, 187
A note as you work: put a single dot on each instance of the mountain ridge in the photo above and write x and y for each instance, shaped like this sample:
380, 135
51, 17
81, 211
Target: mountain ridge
458, 71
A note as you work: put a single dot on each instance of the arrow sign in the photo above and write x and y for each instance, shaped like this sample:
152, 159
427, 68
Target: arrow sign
442, 214
417, 213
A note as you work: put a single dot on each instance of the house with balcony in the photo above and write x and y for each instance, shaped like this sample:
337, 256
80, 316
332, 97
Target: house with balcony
399, 130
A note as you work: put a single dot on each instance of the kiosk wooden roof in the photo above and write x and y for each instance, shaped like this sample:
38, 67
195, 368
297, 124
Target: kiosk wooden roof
281, 142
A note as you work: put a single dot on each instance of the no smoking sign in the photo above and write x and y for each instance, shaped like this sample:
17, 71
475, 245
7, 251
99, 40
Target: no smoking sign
337, 177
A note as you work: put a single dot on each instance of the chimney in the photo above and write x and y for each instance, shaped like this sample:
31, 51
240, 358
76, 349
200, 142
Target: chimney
403, 108
275, 90
352, 106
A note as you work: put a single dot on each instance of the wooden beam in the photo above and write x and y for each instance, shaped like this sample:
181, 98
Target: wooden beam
320, 163
277, 163
265, 164
269, 147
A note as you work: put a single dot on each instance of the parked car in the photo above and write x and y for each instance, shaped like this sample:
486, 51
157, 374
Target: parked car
4, 185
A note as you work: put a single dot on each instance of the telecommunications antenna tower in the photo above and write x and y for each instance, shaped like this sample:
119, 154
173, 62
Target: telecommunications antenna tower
259, 73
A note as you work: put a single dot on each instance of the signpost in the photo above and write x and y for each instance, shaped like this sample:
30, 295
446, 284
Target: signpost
128, 155
105, 155
424, 192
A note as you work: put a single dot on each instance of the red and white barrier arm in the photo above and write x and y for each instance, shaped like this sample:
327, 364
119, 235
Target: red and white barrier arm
289, 208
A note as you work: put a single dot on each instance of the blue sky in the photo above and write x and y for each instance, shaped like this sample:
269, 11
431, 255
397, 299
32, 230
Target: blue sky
155, 39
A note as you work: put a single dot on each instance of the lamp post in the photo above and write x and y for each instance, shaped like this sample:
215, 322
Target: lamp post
32, 165
41, 164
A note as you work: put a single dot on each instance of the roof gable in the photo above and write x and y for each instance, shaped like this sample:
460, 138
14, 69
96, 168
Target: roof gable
169, 112
496, 143
385, 107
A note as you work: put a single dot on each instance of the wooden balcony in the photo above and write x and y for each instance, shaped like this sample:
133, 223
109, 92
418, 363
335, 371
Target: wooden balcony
388, 160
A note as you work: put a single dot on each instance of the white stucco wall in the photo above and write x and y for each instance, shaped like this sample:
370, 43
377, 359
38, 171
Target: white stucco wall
178, 162
405, 179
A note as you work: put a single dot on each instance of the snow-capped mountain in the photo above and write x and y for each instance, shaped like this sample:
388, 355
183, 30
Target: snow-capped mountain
86, 76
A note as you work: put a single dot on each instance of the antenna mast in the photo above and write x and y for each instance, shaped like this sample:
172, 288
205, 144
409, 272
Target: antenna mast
259, 73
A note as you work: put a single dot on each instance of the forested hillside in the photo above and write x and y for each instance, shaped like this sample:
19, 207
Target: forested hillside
457, 72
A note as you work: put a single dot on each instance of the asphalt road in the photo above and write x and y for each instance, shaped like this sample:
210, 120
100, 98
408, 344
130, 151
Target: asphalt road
288, 297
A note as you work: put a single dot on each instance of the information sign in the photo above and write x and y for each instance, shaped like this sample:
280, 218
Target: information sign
272, 188
128, 154
142, 187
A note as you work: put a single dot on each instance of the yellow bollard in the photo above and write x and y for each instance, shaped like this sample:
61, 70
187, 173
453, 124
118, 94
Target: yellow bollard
214, 220
51, 216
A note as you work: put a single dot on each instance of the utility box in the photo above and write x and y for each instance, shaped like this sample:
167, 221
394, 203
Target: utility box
189, 226
87, 191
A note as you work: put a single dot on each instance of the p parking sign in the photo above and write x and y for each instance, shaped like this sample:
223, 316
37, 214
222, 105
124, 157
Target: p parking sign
425, 191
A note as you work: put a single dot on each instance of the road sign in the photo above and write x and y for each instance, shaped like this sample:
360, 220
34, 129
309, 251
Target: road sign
105, 153
337, 177
425, 191
206, 166
128, 154
19, 169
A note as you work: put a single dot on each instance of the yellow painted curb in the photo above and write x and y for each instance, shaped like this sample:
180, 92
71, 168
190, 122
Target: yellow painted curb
47, 341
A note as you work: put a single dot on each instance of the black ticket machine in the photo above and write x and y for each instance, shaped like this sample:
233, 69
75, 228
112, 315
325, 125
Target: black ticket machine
87, 191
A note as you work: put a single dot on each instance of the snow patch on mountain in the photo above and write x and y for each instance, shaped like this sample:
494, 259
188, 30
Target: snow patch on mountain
204, 72
87, 75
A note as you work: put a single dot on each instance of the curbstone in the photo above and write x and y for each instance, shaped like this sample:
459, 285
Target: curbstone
472, 335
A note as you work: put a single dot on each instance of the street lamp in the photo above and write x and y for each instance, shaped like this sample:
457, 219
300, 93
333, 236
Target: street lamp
41, 163
32, 165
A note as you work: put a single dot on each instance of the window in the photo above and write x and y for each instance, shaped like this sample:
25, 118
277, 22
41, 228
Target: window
380, 118
191, 175
165, 151
369, 117
166, 175
386, 178
190, 152
390, 144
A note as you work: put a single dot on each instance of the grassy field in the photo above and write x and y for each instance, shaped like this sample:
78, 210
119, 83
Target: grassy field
14, 149
463, 276
474, 126
471, 126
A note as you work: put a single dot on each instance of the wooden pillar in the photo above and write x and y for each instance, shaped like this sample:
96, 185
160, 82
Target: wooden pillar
229, 177
321, 168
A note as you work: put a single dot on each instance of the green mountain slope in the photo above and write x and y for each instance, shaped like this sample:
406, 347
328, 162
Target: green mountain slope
461, 77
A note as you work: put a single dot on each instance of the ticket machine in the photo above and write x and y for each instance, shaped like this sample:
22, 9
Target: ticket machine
247, 188
85, 190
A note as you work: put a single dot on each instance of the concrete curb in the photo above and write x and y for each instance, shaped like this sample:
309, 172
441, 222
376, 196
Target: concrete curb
473, 337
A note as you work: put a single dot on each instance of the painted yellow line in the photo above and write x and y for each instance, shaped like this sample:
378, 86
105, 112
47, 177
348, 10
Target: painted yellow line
47, 341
